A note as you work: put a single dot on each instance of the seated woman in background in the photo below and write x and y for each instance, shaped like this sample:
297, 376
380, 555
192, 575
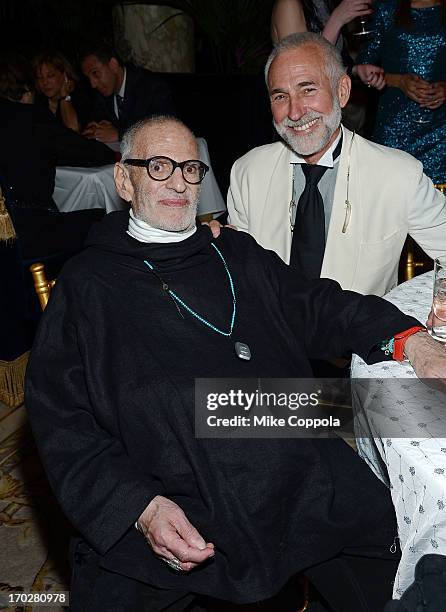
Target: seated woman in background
407, 52
55, 82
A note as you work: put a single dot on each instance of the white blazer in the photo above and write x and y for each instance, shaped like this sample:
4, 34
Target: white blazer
390, 197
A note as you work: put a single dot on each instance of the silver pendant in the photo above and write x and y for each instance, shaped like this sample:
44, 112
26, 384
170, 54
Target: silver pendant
242, 351
348, 212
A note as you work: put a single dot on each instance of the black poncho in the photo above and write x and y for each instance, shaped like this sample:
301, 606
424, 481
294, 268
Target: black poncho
111, 398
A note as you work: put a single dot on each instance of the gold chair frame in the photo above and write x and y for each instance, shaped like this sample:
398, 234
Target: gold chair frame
412, 265
42, 285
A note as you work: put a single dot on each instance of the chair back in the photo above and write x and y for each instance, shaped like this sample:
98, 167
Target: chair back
414, 261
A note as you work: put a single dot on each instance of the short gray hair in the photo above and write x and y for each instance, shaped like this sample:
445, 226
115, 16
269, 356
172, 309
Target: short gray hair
128, 139
333, 64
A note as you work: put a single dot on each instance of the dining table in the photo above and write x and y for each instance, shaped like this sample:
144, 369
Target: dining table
80, 188
400, 429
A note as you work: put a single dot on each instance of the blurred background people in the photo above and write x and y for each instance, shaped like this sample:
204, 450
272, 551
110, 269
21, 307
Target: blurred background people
124, 94
57, 88
408, 50
31, 149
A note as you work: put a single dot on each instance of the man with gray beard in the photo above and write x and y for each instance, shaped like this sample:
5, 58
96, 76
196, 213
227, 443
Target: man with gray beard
167, 521
328, 201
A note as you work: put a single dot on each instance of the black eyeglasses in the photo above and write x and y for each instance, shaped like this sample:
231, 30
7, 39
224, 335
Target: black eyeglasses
161, 168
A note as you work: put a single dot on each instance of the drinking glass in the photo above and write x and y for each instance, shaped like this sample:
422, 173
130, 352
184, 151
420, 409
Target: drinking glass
438, 330
363, 30
422, 115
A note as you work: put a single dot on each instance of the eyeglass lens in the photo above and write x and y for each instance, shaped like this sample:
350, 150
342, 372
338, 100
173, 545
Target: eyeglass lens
160, 168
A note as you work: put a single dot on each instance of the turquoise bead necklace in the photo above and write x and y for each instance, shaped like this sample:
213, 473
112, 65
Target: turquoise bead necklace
241, 349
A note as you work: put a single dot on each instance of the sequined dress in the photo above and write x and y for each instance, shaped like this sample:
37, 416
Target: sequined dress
420, 50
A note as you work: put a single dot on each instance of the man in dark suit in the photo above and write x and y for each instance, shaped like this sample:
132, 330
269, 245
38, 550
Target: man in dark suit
124, 93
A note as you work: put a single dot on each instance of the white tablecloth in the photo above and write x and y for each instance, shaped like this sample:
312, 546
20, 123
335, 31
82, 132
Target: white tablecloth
413, 465
80, 188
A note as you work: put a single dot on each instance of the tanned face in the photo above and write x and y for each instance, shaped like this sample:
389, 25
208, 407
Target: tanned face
50, 80
106, 78
306, 111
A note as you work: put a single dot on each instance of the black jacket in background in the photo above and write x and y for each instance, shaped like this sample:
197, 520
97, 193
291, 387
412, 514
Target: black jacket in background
33, 143
145, 94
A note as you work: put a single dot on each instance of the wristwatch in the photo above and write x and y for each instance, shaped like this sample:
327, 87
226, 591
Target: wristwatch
399, 341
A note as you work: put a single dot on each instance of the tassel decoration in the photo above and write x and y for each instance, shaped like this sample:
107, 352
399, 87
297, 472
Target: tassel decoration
7, 232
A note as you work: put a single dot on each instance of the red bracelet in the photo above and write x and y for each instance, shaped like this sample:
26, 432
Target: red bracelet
400, 341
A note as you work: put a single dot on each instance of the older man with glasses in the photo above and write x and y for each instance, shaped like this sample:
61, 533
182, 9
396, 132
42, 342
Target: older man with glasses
168, 521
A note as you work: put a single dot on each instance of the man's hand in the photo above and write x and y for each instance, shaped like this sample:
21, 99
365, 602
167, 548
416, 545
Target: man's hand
215, 227
370, 75
104, 131
427, 356
347, 10
172, 536
90, 129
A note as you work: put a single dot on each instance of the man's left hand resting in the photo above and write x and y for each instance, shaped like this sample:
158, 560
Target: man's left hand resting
171, 535
104, 131
427, 356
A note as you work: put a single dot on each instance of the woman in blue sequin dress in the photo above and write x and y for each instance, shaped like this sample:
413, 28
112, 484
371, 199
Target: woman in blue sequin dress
409, 44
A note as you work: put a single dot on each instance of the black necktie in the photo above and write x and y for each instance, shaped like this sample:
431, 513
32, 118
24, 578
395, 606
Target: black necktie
308, 244
119, 104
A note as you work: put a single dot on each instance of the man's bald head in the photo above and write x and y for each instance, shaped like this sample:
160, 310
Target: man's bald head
168, 203
145, 129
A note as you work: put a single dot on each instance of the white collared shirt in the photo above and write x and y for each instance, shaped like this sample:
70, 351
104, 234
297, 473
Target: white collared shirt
121, 93
326, 159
